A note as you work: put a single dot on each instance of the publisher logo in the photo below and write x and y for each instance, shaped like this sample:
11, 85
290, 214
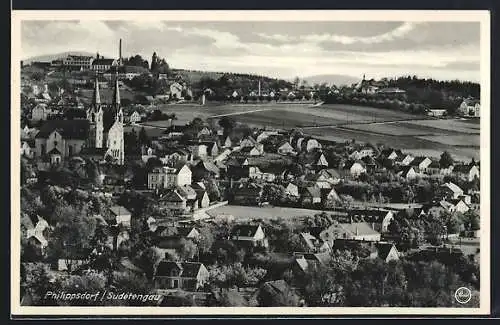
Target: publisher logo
463, 295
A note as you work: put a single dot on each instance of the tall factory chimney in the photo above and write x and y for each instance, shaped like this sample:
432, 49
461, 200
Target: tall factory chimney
120, 53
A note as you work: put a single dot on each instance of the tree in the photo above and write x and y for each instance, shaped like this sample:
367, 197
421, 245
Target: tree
230, 298
187, 249
227, 123
446, 160
148, 260
90, 282
36, 282
206, 239
285, 296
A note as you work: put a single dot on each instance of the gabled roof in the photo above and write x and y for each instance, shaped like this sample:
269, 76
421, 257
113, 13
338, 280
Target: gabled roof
187, 191
384, 249
186, 269
173, 196
452, 187
244, 230
417, 160
361, 228
54, 151
118, 210
313, 191
463, 169
69, 129
103, 61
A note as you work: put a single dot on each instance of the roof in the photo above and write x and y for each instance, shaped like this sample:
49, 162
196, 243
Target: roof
383, 249
405, 170
417, 160
103, 61
69, 129
434, 164
276, 287
187, 191
309, 239
453, 187
119, 210
314, 191
245, 230
184, 231
187, 269
173, 196
209, 166
54, 151
464, 169
358, 228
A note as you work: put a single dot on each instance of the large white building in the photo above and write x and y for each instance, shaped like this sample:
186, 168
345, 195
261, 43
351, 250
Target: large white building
168, 177
78, 62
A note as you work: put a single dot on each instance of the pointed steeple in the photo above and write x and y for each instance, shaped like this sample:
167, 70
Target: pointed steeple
116, 95
96, 99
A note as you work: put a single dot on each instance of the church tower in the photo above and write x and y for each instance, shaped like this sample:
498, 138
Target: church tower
95, 117
115, 141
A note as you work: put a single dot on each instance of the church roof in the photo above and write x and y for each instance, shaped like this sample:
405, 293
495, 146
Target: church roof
69, 129
96, 99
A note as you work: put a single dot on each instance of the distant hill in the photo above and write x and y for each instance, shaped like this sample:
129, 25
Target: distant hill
331, 79
50, 57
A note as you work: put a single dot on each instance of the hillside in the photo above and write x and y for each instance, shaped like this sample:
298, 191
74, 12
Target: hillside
50, 57
334, 79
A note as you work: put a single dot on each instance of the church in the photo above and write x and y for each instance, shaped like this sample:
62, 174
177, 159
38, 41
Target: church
106, 134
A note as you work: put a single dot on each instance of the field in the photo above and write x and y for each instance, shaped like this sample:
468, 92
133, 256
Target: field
419, 135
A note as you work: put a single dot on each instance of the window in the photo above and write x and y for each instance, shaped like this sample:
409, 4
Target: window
70, 150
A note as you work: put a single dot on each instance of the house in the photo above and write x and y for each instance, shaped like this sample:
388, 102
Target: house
102, 64
190, 195
387, 252
175, 156
250, 194
470, 107
420, 164
198, 150
121, 215
354, 230
205, 169
357, 168
320, 161
313, 244
330, 175
378, 218
451, 191
360, 154
249, 236
175, 201
204, 132
28, 148
435, 169
311, 195
285, 148
408, 172
305, 261
248, 142
436, 112
404, 160
37, 234
391, 154
68, 137
468, 172
264, 135
459, 205
168, 177
202, 198
176, 91
292, 190
135, 117
222, 155
329, 195
255, 172
312, 144
189, 276
41, 112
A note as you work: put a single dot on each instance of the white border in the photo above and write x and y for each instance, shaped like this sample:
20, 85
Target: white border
277, 15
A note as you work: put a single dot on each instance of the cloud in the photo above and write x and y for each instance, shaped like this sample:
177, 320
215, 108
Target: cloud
392, 35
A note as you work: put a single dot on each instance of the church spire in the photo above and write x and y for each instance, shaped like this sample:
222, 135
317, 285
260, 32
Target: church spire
96, 100
116, 95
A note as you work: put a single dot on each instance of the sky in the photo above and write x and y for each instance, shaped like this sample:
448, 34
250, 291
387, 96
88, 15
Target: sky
440, 50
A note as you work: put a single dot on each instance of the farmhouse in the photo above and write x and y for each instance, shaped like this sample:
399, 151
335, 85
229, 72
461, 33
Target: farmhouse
470, 107
468, 172
180, 275
249, 236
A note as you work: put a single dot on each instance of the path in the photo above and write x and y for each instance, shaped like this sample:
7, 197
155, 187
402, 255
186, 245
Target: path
240, 113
